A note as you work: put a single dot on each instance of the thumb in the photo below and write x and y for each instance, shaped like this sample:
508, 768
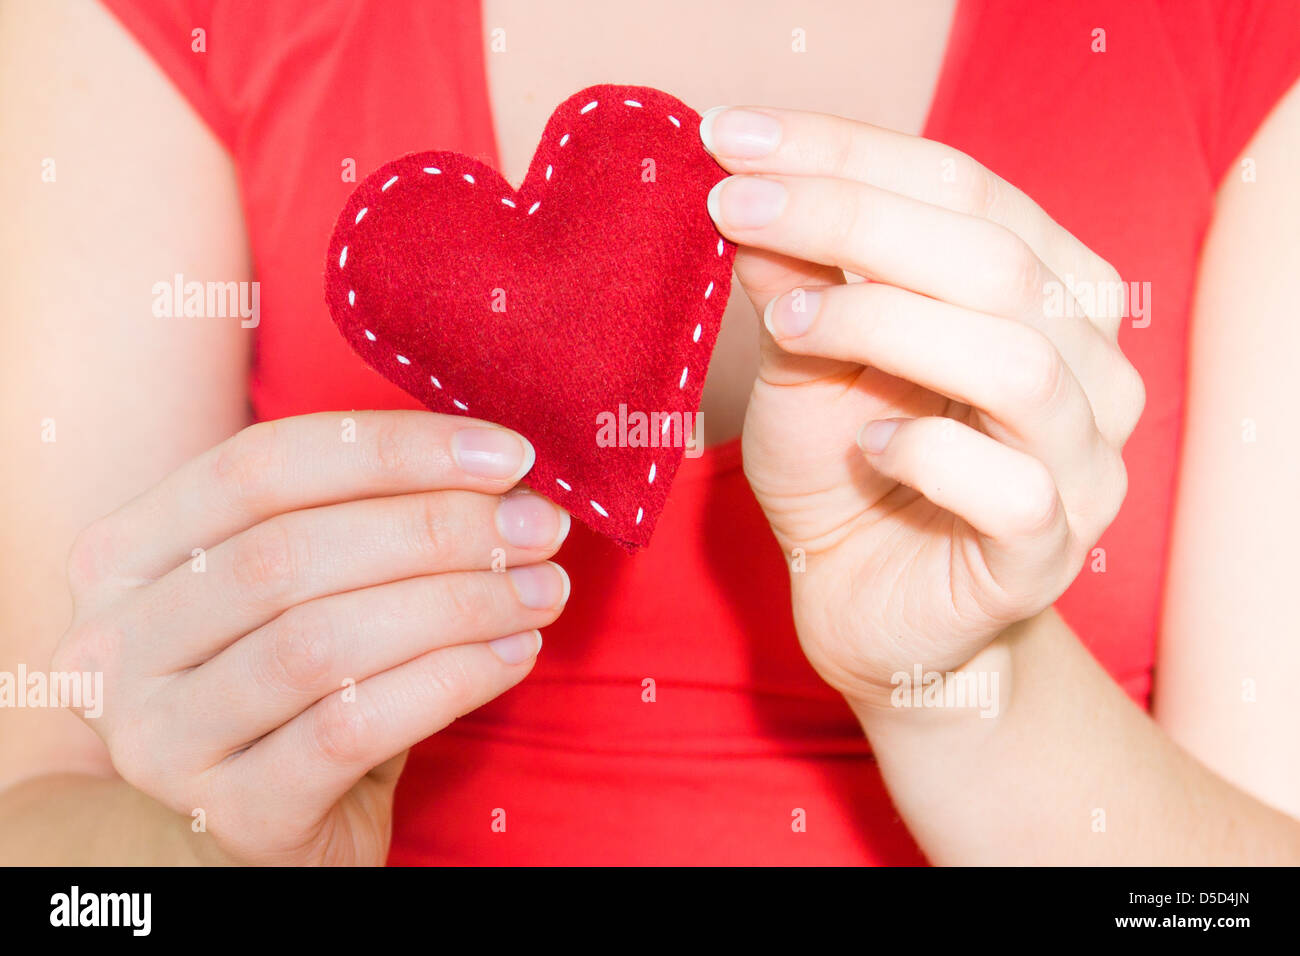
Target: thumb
766, 275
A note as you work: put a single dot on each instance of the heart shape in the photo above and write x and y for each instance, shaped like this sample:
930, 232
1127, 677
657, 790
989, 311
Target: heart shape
580, 309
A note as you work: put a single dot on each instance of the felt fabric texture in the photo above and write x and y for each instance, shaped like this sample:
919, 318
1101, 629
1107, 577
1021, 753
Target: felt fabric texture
580, 310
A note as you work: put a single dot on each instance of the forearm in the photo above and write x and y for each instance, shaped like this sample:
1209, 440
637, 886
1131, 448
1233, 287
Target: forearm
1070, 771
79, 820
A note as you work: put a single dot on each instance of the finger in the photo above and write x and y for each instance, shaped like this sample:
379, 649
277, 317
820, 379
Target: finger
295, 463
941, 254
263, 680
764, 275
302, 769
185, 617
1110, 384
965, 260
798, 143
1006, 496
1010, 372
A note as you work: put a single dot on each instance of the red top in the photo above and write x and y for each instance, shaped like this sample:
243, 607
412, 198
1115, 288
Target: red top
1123, 147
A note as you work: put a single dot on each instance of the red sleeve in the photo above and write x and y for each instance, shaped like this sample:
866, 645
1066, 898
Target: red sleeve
1259, 60
166, 30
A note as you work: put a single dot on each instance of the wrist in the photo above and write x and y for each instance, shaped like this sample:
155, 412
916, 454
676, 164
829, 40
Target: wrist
922, 697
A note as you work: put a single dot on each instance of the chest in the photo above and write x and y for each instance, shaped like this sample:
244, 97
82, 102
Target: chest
1108, 144
877, 61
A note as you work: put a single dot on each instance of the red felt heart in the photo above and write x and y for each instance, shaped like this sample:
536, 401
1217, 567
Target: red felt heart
565, 309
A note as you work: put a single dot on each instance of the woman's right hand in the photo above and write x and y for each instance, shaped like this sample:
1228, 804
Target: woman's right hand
280, 619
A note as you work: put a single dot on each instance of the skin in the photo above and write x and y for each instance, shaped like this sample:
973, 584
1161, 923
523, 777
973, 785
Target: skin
991, 463
325, 561
874, 60
946, 539
979, 556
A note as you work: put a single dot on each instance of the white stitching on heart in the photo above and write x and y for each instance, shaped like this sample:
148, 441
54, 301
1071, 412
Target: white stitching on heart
403, 360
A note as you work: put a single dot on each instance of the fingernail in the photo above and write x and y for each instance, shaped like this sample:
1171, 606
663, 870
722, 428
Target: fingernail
792, 314
743, 202
492, 453
875, 435
540, 585
517, 648
527, 520
740, 134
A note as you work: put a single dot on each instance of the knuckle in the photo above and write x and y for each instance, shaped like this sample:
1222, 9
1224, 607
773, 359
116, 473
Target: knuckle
1111, 300
237, 817
451, 679
392, 448
1108, 274
1118, 489
297, 656
136, 750
1035, 504
1120, 409
89, 647
433, 526
1033, 370
342, 730
1017, 276
977, 187
264, 561
247, 465
840, 153
1108, 492
462, 607
1134, 401
91, 557
850, 216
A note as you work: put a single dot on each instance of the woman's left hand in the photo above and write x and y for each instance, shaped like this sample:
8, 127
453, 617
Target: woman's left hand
937, 448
